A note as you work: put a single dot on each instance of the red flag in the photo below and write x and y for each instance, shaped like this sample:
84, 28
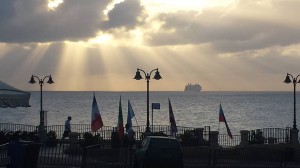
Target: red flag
172, 119
120, 127
223, 119
96, 117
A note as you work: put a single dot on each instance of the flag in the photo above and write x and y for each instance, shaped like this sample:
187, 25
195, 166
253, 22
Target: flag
96, 117
155, 105
130, 115
120, 127
172, 119
223, 119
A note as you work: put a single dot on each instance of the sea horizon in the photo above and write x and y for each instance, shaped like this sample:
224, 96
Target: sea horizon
244, 110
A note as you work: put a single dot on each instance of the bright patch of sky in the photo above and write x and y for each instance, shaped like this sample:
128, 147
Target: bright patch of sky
53, 4
162, 6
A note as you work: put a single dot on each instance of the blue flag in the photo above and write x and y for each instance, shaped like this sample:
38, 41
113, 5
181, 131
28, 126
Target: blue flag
130, 115
155, 105
172, 119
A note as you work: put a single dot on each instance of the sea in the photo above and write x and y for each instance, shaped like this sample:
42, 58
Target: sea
243, 110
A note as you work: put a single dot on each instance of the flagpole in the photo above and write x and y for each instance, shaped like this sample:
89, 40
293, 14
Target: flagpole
219, 119
136, 121
152, 118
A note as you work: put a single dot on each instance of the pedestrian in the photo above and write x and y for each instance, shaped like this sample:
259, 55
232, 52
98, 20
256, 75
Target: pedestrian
67, 127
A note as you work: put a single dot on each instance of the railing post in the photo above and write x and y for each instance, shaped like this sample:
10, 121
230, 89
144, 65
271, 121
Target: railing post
244, 137
214, 156
294, 136
213, 139
74, 141
83, 158
199, 134
213, 143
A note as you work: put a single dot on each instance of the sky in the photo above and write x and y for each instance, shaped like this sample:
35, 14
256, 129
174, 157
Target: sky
97, 45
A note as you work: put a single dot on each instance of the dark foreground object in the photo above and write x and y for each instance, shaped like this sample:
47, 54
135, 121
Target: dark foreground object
23, 154
158, 151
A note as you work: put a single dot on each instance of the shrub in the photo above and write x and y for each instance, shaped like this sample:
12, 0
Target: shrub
256, 137
52, 135
90, 139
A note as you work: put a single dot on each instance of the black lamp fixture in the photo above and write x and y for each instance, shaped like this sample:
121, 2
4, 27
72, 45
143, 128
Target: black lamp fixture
41, 83
294, 80
147, 78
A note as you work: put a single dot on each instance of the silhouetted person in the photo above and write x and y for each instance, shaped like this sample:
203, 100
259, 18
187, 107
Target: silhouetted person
67, 127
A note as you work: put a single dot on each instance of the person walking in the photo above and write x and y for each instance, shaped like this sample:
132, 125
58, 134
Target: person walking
67, 127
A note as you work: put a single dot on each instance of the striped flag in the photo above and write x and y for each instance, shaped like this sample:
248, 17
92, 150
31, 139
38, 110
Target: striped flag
120, 127
96, 123
130, 115
172, 119
223, 119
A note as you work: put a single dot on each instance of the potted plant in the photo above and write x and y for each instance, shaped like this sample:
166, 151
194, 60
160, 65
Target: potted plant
90, 139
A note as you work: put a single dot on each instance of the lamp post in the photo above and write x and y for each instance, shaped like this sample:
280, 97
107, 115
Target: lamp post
42, 116
287, 81
147, 78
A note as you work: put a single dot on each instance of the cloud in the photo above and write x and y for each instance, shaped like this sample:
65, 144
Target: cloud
126, 14
24, 21
248, 25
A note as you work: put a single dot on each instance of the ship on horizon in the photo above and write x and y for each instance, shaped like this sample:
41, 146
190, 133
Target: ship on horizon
192, 87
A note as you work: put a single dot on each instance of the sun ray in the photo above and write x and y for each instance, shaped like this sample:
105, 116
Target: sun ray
71, 69
33, 59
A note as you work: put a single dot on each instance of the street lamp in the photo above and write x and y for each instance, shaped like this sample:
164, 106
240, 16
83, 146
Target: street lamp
287, 81
42, 116
147, 77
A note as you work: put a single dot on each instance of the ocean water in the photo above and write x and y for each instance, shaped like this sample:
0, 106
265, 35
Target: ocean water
243, 110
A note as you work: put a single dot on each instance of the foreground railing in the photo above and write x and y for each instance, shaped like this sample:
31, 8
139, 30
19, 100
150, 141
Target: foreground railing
248, 156
65, 154
196, 156
61, 153
4, 160
96, 156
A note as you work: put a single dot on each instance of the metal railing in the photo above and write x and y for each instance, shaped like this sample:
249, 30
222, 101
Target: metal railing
61, 153
248, 156
96, 156
4, 159
8, 127
262, 136
74, 155
196, 156
225, 140
105, 131
270, 136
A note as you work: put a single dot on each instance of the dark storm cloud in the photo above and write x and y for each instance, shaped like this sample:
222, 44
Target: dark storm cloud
127, 14
250, 25
74, 20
